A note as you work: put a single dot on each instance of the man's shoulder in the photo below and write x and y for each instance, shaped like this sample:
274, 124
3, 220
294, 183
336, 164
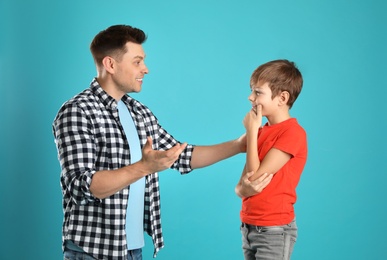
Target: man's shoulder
86, 96
139, 106
83, 100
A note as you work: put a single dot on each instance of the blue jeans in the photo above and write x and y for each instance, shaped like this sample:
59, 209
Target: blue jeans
74, 255
268, 243
135, 254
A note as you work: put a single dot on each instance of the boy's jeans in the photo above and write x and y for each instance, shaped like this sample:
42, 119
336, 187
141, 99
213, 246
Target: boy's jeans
268, 243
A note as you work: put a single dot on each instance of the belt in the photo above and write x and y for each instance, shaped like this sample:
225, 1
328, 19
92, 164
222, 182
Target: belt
249, 226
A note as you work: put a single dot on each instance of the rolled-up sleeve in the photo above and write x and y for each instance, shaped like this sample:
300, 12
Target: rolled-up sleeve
76, 152
167, 141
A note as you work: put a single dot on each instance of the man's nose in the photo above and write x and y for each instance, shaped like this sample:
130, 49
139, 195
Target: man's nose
145, 69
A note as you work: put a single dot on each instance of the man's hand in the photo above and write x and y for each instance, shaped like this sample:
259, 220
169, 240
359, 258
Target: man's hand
242, 143
107, 182
247, 188
156, 161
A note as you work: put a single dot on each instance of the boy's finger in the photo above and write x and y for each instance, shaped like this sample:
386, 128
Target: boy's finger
262, 177
259, 109
249, 173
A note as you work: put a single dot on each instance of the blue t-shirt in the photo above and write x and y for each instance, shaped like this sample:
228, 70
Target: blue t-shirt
135, 210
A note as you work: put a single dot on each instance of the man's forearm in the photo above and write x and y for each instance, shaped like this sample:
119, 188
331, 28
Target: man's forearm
203, 156
106, 183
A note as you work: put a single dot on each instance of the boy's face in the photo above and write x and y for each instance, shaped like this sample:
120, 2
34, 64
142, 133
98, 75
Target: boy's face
261, 95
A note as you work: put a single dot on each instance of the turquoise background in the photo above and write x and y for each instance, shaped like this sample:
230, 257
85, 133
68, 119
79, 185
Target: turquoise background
200, 55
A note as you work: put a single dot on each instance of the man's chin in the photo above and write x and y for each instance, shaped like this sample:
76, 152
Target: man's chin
136, 90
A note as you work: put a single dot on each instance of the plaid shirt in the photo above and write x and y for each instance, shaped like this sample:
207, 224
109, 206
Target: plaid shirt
90, 138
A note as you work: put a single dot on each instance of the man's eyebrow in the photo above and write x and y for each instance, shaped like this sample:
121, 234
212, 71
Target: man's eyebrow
139, 57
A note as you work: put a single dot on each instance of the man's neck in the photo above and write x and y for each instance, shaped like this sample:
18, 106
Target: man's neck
109, 87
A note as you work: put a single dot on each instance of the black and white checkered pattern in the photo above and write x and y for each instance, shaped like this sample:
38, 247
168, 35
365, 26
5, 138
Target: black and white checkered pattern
90, 138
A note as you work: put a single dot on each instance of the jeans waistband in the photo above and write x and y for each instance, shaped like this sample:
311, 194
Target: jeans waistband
253, 226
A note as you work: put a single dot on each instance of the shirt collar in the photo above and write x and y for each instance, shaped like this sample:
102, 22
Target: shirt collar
108, 100
105, 98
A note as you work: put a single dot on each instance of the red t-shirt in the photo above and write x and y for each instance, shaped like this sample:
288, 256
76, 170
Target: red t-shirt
274, 205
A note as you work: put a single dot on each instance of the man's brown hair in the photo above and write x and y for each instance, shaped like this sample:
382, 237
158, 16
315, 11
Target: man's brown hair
112, 41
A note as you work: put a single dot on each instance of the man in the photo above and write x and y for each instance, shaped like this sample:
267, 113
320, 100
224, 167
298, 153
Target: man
111, 148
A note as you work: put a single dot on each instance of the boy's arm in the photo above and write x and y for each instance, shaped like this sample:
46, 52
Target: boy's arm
252, 159
252, 123
274, 159
246, 188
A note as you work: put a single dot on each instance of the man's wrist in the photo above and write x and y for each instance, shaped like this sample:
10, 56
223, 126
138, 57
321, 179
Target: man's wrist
142, 168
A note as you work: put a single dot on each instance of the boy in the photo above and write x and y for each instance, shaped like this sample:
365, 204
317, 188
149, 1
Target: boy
269, 228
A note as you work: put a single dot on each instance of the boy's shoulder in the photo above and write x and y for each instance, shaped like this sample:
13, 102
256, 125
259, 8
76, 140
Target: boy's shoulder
295, 126
288, 128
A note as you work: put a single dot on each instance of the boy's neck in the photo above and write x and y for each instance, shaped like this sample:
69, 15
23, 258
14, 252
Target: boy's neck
278, 118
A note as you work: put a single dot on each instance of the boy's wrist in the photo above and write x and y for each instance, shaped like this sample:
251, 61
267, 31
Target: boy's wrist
238, 191
252, 129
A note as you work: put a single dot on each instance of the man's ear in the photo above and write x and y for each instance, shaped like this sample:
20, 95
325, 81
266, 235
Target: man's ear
284, 97
109, 64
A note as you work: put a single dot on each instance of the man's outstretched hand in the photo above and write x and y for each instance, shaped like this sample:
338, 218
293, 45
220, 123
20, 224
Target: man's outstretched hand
156, 161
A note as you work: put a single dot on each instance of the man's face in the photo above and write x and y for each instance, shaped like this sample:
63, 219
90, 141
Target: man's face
131, 69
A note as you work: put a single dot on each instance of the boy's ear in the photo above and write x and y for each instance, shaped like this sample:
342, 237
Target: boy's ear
109, 64
284, 97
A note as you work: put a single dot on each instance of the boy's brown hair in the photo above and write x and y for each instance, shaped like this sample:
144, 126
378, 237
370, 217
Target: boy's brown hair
282, 75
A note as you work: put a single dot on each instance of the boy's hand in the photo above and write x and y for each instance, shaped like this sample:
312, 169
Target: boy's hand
253, 119
249, 188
